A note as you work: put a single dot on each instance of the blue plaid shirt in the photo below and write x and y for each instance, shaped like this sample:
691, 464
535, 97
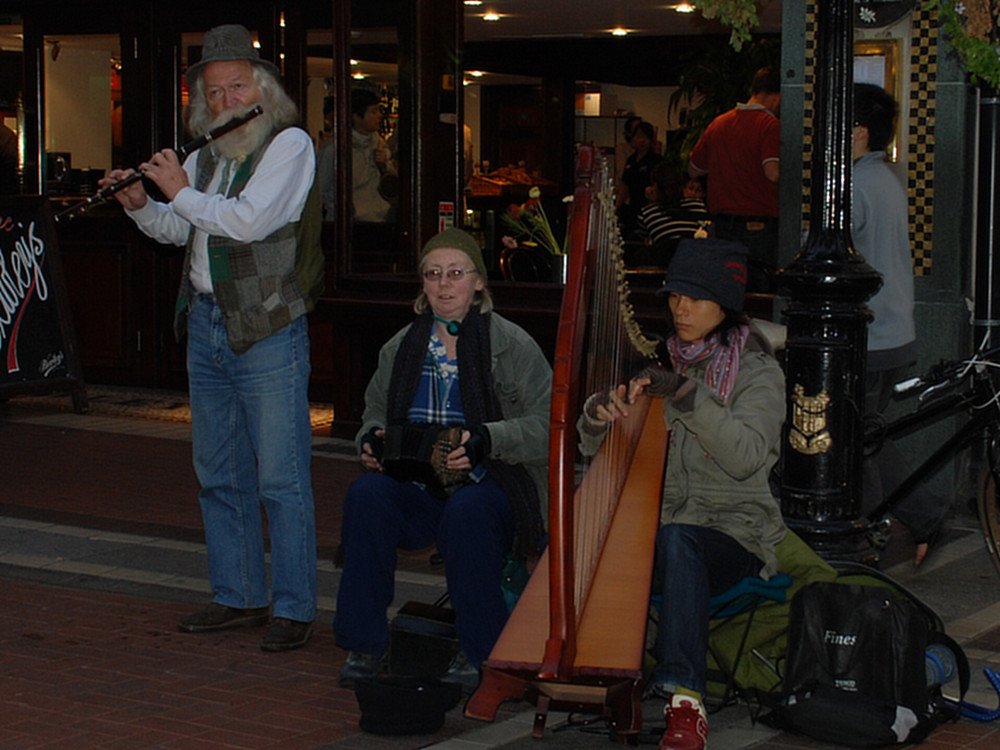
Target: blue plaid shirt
439, 398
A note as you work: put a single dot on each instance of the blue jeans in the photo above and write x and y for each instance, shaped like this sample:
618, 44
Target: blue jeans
252, 447
693, 564
473, 531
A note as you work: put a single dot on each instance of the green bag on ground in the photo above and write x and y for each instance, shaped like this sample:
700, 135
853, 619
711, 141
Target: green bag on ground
763, 653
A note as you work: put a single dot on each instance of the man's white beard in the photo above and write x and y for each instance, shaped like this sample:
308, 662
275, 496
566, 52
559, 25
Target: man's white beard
243, 140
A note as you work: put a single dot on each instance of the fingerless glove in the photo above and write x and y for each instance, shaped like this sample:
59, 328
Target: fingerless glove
375, 442
478, 446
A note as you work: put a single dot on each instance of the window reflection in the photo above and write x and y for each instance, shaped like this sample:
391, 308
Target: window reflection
82, 110
374, 166
320, 115
11, 111
503, 158
376, 158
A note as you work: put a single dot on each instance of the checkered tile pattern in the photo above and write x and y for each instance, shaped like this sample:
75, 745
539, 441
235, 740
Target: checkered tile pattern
920, 131
808, 112
920, 156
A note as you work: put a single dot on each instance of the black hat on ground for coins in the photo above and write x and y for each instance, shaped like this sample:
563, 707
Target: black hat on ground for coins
404, 705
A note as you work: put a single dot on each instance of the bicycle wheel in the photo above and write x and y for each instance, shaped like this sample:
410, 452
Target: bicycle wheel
989, 513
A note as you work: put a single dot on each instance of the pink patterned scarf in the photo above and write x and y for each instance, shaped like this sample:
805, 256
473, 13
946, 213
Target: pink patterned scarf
721, 372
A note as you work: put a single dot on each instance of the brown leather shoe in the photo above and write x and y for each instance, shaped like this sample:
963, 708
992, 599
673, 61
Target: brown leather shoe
220, 617
285, 634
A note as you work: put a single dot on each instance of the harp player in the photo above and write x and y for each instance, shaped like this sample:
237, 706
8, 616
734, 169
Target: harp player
724, 402
457, 363
250, 275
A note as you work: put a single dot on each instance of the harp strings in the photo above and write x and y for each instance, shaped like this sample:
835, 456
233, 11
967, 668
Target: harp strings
613, 343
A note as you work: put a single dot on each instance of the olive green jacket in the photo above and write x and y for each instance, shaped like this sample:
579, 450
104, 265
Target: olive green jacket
720, 456
522, 378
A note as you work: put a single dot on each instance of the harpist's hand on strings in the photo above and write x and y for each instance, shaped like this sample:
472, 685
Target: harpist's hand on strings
607, 406
656, 382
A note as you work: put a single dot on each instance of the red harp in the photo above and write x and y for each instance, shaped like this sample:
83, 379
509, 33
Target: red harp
576, 639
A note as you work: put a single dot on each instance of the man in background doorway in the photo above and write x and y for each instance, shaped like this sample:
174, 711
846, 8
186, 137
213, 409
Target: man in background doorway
324, 163
624, 149
371, 159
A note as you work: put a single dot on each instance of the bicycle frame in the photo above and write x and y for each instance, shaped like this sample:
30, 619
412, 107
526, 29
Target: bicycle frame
980, 425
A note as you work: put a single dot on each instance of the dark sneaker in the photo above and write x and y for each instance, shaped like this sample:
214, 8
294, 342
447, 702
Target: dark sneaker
220, 617
285, 634
687, 727
359, 665
461, 673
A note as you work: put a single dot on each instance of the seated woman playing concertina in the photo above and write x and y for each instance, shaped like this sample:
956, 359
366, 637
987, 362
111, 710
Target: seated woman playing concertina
724, 403
481, 496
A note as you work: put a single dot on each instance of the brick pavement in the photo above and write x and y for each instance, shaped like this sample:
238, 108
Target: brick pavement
94, 660
85, 664
93, 670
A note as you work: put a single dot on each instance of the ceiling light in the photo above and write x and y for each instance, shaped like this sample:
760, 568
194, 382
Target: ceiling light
619, 31
683, 8
491, 16
476, 73
473, 2
358, 76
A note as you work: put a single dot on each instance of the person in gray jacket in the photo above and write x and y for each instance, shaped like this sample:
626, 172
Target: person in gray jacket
880, 229
458, 364
724, 403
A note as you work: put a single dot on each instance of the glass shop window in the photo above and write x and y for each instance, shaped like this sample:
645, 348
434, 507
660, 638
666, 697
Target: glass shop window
83, 111
377, 146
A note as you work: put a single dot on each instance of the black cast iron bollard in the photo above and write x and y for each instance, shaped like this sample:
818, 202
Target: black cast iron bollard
828, 284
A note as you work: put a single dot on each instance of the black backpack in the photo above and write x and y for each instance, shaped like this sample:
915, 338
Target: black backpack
856, 668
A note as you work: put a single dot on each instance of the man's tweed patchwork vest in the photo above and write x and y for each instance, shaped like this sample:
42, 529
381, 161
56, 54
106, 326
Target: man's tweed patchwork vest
260, 286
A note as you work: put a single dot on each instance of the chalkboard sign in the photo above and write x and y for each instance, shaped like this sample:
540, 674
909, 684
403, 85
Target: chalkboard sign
38, 351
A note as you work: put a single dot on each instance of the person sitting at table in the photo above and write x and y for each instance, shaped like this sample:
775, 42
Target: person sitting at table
669, 216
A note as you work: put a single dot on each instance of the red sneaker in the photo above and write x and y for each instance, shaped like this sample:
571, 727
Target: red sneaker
687, 728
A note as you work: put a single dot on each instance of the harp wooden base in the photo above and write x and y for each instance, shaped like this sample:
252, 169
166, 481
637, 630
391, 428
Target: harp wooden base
619, 702
605, 674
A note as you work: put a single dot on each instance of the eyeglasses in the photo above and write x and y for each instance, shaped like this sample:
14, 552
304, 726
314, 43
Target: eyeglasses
452, 274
